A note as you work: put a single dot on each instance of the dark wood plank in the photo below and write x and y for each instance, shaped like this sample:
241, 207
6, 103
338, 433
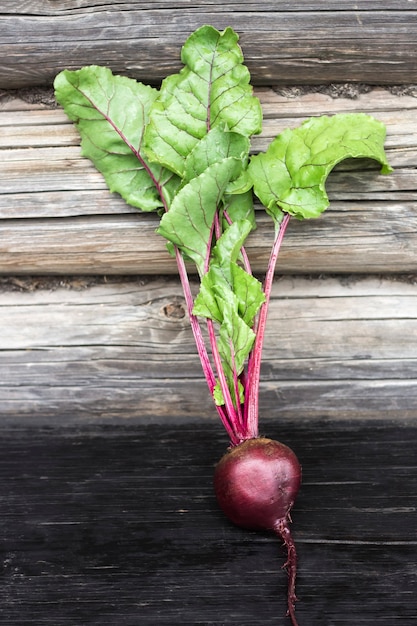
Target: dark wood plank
289, 43
119, 525
334, 347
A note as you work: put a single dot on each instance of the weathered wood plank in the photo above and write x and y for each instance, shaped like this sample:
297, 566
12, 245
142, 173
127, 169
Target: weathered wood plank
345, 240
291, 43
57, 216
119, 526
333, 348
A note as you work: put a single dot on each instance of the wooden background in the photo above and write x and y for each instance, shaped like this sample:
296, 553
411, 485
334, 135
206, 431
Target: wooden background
290, 42
97, 336
100, 331
57, 216
123, 349
108, 433
118, 526
113, 340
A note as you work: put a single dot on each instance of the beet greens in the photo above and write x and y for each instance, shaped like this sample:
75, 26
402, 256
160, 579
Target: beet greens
184, 151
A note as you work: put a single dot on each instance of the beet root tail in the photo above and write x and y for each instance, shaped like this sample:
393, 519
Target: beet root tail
282, 529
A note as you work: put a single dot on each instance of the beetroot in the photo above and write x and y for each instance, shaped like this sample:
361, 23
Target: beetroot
256, 483
184, 151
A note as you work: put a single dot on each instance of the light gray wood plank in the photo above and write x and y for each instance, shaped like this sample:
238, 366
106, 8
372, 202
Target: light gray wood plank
57, 216
334, 348
349, 238
282, 42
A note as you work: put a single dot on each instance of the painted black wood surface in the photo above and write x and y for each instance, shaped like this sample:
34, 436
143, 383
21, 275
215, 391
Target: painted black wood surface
118, 525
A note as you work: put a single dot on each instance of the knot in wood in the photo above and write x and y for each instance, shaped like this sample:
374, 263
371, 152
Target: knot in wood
174, 310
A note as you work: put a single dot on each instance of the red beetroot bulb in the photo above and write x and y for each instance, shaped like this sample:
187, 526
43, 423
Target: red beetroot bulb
256, 483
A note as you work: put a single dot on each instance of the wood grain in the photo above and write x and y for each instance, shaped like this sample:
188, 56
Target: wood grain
287, 42
119, 526
108, 433
124, 350
57, 216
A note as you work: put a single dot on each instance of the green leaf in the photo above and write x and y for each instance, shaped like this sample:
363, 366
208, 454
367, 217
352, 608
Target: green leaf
240, 206
249, 294
211, 90
110, 113
231, 297
236, 340
218, 394
217, 145
227, 248
189, 221
225, 279
205, 303
290, 176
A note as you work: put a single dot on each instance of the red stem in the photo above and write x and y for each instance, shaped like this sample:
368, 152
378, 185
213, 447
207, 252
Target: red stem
198, 338
254, 365
230, 415
195, 326
232, 420
239, 416
183, 275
